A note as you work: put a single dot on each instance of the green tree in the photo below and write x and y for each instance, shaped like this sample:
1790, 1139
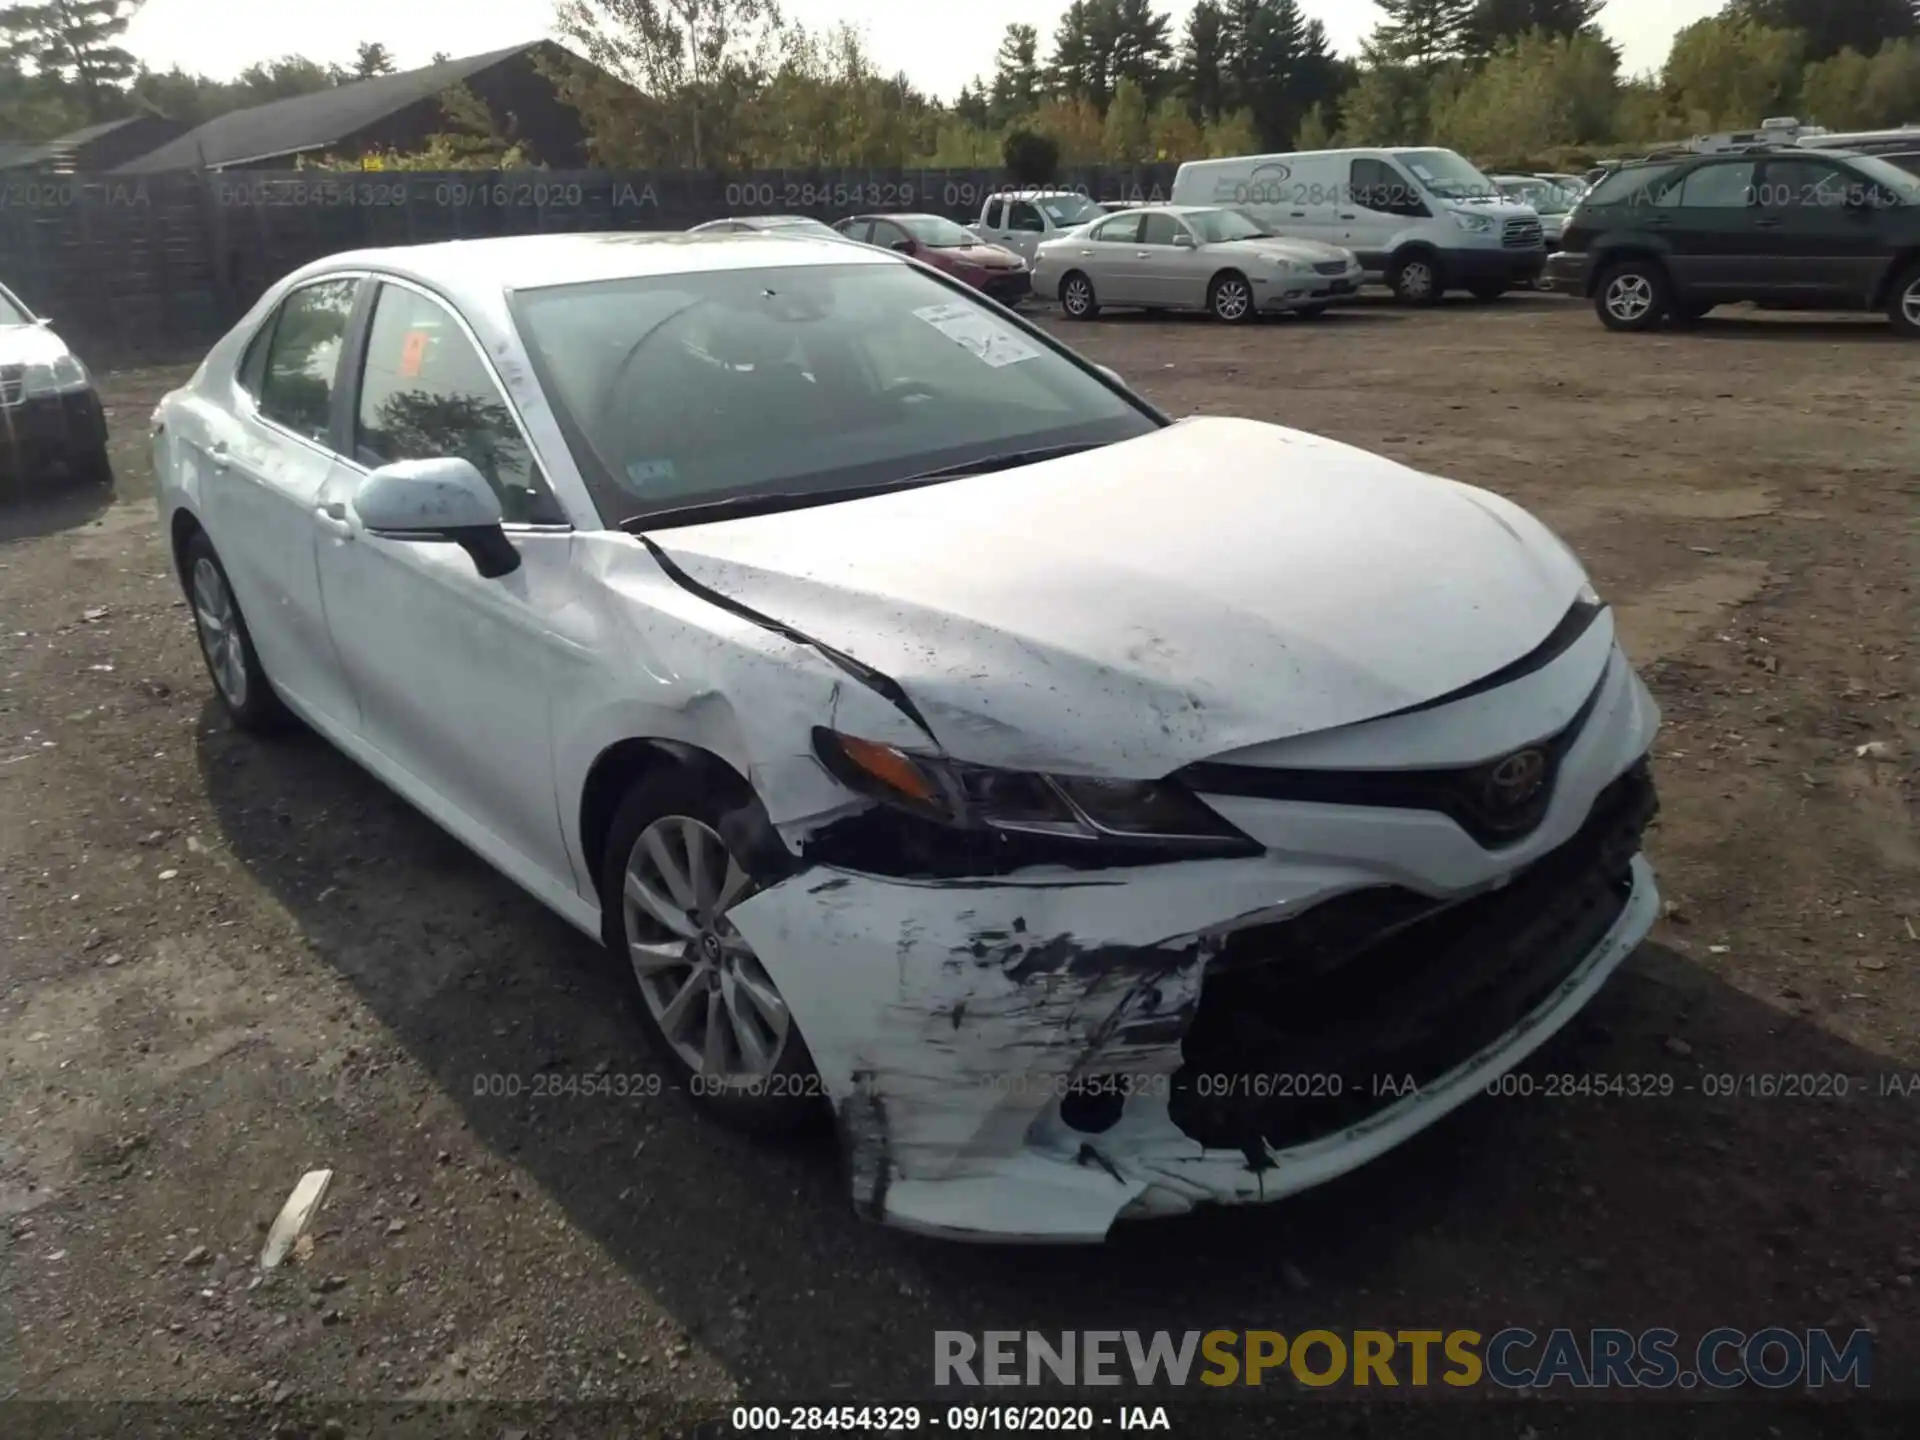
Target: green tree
371, 58
1204, 60
1030, 157
1231, 134
1388, 105
1851, 91
1831, 26
75, 43
674, 79
1316, 130
1421, 33
286, 77
1728, 73
474, 139
1142, 47
1534, 94
1490, 22
1079, 68
1016, 73
1172, 134
1128, 133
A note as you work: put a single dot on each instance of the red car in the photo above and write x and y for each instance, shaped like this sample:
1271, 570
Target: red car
992, 269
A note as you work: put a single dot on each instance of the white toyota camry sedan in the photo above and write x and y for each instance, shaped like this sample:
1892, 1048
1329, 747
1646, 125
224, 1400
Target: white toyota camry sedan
1098, 815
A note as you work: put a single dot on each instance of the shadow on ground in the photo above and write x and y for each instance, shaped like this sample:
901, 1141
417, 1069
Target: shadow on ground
1684, 1211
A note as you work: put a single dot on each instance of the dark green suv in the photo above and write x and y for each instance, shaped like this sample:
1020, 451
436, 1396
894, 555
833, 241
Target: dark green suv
1785, 227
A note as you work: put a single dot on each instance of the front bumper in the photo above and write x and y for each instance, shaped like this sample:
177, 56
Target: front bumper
46, 429
1280, 293
1035, 1056
1006, 286
1566, 273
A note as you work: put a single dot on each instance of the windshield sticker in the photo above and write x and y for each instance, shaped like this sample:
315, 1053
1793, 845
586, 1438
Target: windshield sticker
643, 473
977, 333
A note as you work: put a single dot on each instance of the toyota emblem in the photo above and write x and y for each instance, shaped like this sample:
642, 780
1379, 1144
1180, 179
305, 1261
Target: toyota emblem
1517, 779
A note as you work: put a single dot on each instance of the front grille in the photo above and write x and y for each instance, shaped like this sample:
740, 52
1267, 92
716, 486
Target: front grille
1523, 235
13, 384
1330, 267
1385, 983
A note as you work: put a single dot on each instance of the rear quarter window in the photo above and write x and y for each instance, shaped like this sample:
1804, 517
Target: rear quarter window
1624, 185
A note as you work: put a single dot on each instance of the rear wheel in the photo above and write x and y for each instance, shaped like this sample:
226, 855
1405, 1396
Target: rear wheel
1904, 308
1415, 279
714, 1015
1077, 298
225, 642
1631, 296
1230, 298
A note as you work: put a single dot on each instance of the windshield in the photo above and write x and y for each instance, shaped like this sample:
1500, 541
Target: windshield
1217, 227
10, 311
1446, 174
1547, 199
1897, 178
932, 231
722, 384
1070, 210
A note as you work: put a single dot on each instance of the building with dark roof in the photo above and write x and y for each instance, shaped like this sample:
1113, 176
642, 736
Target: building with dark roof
389, 112
105, 146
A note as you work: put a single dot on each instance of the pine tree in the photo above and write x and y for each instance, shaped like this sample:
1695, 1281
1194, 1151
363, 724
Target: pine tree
1835, 25
1016, 72
1204, 80
73, 42
1422, 33
371, 58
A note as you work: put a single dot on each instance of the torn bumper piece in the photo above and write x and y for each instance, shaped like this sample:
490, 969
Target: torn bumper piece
1032, 1058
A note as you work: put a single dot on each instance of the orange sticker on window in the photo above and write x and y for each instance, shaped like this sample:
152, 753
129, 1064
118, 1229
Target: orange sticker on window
412, 351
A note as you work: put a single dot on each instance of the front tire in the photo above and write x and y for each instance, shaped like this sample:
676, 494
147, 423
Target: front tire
1230, 298
1904, 308
226, 644
710, 1009
1077, 298
1415, 279
1632, 296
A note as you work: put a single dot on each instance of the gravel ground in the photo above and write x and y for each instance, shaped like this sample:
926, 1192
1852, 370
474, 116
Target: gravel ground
224, 962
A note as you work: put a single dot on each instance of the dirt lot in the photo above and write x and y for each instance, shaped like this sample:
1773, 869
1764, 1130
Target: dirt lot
223, 962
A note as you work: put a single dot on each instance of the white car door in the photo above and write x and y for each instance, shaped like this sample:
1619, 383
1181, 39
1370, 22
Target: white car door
1026, 228
1109, 257
454, 671
263, 450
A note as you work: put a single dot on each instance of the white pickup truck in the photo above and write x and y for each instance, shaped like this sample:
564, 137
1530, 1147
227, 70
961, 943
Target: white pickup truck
1021, 219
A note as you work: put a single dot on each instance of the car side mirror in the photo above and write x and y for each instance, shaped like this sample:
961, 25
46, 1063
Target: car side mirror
1111, 374
1183, 242
43, 322
445, 498
905, 247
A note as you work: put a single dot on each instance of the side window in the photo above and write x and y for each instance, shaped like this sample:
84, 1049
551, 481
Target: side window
1809, 185
996, 215
1638, 185
1718, 187
1377, 186
1121, 230
253, 360
855, 229
1022, 216
886, 234
296, 389
1159, 228
425, 393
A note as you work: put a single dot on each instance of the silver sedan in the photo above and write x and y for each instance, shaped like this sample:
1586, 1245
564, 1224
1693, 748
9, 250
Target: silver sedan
1191, 257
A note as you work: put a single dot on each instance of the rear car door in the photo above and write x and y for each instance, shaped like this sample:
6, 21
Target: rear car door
1819, 223
1707, 215
454, 670
268, 457
1107, 256
1155, 274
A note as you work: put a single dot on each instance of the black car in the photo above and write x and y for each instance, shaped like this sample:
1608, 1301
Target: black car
1784, 227
49, 410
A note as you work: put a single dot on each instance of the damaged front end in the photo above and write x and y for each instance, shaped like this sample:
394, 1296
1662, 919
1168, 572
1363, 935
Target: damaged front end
1030, 1035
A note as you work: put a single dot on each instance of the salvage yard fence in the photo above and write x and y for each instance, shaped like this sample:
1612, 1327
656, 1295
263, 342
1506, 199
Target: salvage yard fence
143, 267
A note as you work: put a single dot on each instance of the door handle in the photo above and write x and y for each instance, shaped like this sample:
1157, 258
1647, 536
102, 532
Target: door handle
217, 455
333, 519
1345, 216
1143, 254
1766, 222
1301, 215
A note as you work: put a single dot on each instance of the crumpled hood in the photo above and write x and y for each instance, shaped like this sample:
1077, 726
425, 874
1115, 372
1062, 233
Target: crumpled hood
29, 345
1139, 607
986, 257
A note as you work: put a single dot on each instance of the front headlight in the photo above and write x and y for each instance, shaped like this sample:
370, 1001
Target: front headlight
1473, 224
981, 797
57, 376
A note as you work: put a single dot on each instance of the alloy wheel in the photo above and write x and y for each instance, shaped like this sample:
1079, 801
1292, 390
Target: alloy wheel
214, 617
1416, 280
1231, 299
1078, 296
1910, 304
1629, 297
705, 988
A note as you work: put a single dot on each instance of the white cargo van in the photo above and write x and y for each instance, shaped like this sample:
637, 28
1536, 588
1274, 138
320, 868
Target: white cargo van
1423, 220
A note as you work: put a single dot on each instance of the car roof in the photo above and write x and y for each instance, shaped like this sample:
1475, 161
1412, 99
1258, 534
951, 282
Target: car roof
530, 262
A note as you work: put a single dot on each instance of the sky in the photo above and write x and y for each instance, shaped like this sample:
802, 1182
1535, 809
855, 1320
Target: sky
940, 46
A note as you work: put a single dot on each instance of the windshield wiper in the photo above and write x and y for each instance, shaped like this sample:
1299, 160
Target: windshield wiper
739, 507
